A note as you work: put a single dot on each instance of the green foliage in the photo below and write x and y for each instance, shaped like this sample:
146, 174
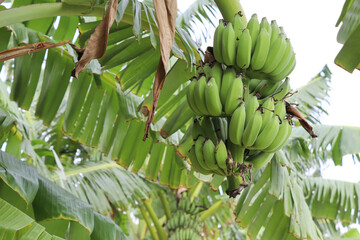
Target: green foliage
30, 200
349, 35
78, 131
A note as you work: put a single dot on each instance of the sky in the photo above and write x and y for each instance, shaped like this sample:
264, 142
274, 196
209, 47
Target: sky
310, 25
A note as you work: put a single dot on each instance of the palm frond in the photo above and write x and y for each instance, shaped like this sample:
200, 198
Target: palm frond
349, 35
35, 199
332, 199
104, 185
311, 97
332, 142
276, 202
199, 17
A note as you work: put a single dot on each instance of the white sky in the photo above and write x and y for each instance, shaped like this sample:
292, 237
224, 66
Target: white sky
311, 27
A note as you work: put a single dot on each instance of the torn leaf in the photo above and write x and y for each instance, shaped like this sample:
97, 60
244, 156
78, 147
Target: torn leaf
166, 11
97, 43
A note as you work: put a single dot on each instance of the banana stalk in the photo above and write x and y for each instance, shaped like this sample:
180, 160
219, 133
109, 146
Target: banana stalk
229, 8
165, 204
148, 222
155, 219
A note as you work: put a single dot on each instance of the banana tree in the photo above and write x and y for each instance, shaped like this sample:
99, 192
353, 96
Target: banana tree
83, 133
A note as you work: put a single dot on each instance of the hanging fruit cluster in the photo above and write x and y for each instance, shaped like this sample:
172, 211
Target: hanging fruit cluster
185, 221
259, 49
239, 98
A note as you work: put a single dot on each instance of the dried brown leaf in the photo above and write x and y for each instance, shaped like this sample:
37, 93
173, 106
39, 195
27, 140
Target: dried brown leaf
27, 49
97, 43
166, 11
1, 1
293, 112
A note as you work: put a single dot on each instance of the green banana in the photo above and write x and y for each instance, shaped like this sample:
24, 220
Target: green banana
260, 55
206, 70
267, 109
229, 45
217, 72
281, 30
199, 95
285, 60
221, 127
221, 155
252, 129
265, 24
259, 159
251, 105
199, 152
236, 125
254, 27
275, 31
238, 25
280, 109
212, 98
246, 83
243, 52
281, 137
209, 129
230, 164
195, 163
253, 83
227, 79
287, 70
234, 96
197, 129
190, 98
284, 89
268, 134
266, 88
237, 152
218, 41
209, 156
288, 125
276, 52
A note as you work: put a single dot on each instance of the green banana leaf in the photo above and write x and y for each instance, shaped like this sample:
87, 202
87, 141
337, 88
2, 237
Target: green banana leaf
86, 180
312, 96
276, 202
332, 142
332, 199
349, 34
26, 193
17, 225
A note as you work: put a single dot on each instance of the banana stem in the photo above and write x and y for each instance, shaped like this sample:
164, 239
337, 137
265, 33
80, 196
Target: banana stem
148, 223
165, 204
229, 8
154, 218
142, 229
209, 212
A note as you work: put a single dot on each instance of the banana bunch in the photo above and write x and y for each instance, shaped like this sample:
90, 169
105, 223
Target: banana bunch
188, 207
215, 92
184, 234
260, 127
260, 49
184, 222
209, 154
183, 226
